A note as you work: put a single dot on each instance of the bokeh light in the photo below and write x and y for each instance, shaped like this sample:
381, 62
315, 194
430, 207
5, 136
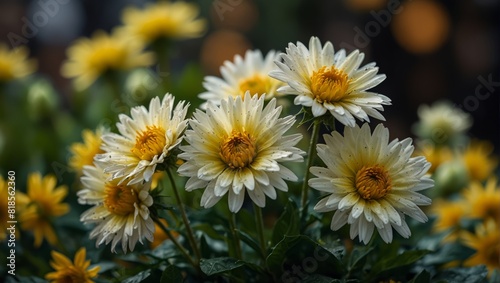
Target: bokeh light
422, 26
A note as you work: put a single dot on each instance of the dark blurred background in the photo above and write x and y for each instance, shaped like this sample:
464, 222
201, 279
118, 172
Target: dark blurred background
429, 49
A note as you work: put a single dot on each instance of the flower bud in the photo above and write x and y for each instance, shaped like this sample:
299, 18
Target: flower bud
42, 99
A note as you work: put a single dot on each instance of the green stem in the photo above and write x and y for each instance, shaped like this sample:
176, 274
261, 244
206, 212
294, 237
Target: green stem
177, 244
162, 51
236, 237
310, 156
260, 228
189, 231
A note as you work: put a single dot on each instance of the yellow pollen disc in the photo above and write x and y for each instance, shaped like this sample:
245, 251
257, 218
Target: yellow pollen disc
329, 84
149, 143
373, 182
238, 150
120, 199
255, 85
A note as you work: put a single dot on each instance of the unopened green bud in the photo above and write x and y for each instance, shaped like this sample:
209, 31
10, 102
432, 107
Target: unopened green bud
42, 99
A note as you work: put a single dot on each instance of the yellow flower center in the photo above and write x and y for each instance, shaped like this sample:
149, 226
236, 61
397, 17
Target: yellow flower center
238, 150
120, 199
329, 84
255, 85
373, 182
149, 143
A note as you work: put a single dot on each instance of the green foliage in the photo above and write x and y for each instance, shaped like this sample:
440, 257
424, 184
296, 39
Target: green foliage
288, 223
171, 274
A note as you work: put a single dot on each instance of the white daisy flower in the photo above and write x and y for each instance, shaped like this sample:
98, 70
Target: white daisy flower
329, 81
120, 211
370, 182
238, 147
146, 139
441, 122
243, 74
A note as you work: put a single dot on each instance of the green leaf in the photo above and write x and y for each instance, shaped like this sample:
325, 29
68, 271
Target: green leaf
139, 277
447, 253
250, 242
287, 224
171, 274
219, 265
358, 257
423, 277
105, 266
213, 231
476, 274
305, 254
388, 265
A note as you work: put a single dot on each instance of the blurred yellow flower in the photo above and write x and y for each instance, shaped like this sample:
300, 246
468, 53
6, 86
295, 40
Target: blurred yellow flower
39, 205
435, 155
4, 203
83, 153
73, 272
14, 64
160, 236
442, 123
486, 242
479, 161
164, 20
448, 215
156, 179
88, 58
484, 202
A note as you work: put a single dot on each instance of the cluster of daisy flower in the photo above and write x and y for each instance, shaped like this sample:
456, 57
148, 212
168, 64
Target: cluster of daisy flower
467, 205
241, 149
236, 146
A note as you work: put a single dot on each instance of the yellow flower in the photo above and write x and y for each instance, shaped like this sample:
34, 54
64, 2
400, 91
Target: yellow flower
39, 205
14, 64
4, 203
484, 202
486, 242
442, 123
370, 182
243, 74
329, 81
71, 272
146, 139
83, 153
88, 58
163, 20
121, 212
238, 148
448, 217
435, 155
479, 161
